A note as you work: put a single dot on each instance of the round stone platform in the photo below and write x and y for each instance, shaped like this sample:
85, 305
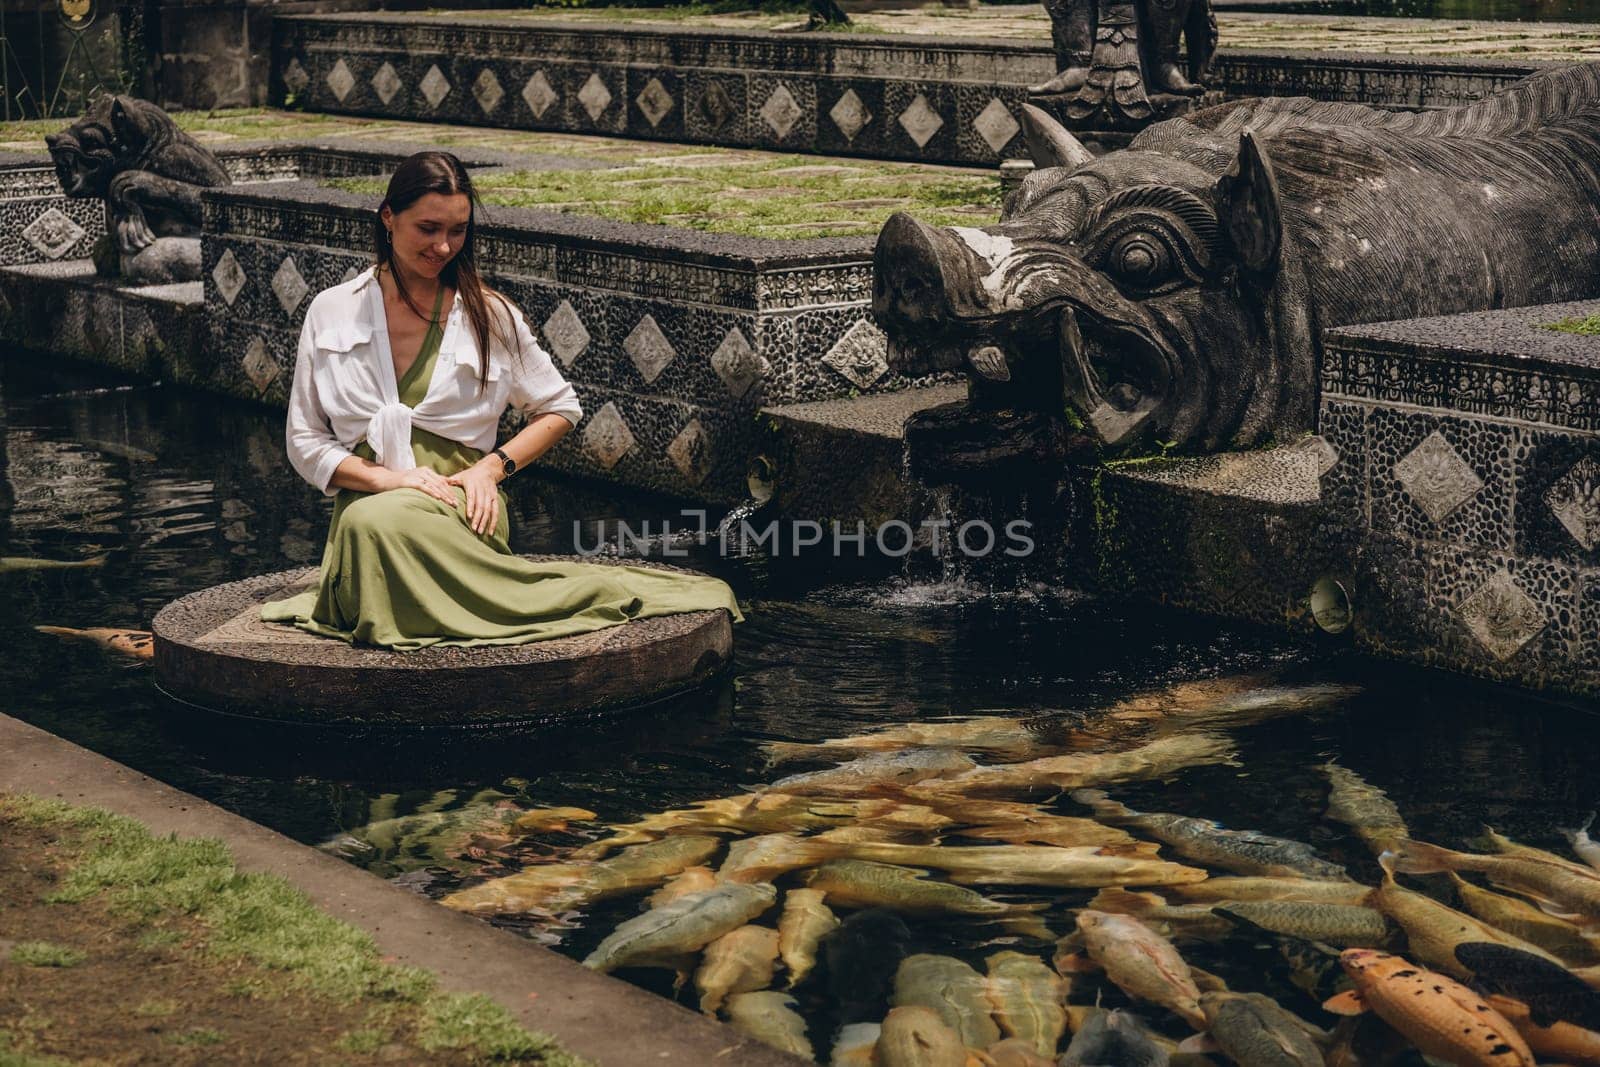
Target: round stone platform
212, 648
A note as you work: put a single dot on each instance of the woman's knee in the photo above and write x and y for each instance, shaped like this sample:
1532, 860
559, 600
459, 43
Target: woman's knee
376, 514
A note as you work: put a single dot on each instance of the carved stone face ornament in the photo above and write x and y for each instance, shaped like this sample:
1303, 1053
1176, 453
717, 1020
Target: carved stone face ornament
1106, 303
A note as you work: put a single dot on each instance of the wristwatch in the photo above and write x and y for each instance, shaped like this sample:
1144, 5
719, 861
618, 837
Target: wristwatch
507, 464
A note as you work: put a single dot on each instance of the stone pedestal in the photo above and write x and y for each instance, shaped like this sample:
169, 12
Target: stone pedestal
212, 649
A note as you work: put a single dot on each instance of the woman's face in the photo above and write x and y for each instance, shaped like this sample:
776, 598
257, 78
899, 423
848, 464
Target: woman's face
428, 234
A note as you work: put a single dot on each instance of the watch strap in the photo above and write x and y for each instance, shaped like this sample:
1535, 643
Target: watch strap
507, 464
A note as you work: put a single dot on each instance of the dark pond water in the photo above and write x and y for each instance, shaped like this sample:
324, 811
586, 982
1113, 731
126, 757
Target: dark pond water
182, 491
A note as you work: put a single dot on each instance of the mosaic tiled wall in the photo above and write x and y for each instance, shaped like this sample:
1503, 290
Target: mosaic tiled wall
673, 339
1469, 450
905, 98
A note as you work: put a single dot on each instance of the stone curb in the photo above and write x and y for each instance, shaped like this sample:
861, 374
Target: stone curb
595, 1016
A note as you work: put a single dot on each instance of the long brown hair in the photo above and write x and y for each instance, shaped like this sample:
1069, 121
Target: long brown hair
441, 172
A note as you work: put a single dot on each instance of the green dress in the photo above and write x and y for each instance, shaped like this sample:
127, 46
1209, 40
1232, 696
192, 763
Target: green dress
403, 570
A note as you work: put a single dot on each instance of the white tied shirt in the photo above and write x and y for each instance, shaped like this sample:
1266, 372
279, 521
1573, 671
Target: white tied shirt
345, 387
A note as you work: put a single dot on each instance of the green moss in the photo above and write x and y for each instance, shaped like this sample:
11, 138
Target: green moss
362, 1042
1587, 327
479, 1025
200, 1035
245, 122
777, 196
263, 920
45, 954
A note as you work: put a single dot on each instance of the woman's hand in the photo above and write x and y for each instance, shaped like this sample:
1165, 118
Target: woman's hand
424, 480
482, 483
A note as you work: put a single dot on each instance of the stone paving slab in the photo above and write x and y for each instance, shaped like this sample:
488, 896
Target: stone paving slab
1239, 29
601, 1018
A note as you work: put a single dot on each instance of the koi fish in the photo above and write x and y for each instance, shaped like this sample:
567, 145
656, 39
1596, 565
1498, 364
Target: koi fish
1558, 1041
135, 644
1141, 963
1439, 1015
1242, 851
1563, 884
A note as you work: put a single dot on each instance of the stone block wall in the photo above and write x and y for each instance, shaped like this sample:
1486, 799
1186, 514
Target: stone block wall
674, 339
884, 97
1469, 451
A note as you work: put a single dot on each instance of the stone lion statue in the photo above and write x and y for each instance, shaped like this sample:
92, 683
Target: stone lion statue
129, 153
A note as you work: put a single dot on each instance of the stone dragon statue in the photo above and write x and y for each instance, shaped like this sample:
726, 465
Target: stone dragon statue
1174, 293
131, 154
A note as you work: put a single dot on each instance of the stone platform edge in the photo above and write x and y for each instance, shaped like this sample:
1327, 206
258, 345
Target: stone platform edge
595, 1016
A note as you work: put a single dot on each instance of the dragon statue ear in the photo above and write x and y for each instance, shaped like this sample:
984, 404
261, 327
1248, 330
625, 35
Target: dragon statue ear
1247, 206
125, 124
1050, 143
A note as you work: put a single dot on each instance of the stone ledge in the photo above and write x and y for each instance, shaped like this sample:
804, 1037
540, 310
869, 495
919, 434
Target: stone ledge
211, 648
1514, 336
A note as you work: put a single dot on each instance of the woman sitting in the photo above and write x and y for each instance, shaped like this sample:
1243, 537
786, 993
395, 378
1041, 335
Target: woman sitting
395, 409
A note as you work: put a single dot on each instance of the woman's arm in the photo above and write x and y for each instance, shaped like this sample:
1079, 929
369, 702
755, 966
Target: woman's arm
367, 477
314, 452
482, 478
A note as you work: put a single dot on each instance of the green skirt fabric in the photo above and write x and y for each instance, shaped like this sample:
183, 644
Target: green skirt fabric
402, 570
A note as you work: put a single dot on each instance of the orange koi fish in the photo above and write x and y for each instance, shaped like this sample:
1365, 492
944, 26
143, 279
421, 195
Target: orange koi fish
1439, 1015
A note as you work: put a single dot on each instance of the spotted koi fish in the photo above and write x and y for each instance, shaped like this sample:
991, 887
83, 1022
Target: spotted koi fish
1439, 1015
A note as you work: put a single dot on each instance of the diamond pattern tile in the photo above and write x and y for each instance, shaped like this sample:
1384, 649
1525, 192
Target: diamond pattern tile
434, 86
258, 366
607, 438
595, 97
288, 286
564, 332
340, 80
349, 273
486, 90
850, 114
229, 276
295, 76
780, 111
1575, 499
738, 364
1436, 477
386, 82
538, 94
920, 121
649, 349
996, 125
716, 105
859, 355
1501, 616
690, 452
53, 233
654, 102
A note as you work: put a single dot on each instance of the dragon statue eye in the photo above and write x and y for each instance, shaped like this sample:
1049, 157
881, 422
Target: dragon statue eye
1140, 259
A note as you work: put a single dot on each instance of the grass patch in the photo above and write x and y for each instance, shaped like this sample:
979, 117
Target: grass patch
1586, 327
45, 954
244, 122
200, 1035
777, 196
260, 923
